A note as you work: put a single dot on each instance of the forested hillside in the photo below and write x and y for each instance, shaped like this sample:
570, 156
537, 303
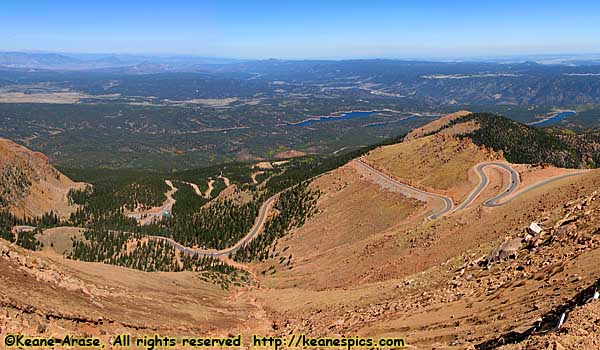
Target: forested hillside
294, 207
521, 143
587, 143
195, 221
130, 250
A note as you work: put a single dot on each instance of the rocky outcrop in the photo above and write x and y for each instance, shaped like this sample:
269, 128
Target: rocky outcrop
506, 250
30, 185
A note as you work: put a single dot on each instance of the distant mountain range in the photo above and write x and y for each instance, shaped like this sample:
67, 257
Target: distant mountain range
73, 61
190, 63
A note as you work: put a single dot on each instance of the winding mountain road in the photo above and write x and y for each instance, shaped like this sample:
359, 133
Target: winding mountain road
490, 203
448, 204
194, 187
408, 190
515, 180
495, 201
254, 231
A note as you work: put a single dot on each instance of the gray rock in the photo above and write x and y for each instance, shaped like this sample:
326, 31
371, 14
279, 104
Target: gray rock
506, 250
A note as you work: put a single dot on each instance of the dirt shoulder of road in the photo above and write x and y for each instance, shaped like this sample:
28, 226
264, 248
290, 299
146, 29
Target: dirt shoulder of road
436, 163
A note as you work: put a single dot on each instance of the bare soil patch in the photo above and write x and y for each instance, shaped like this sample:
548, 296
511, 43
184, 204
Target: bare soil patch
59, 240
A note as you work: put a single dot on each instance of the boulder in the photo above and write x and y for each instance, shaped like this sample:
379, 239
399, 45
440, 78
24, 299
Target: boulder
506, 250
535, 228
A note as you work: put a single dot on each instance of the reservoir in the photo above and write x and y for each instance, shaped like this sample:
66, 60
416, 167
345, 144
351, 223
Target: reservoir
554, 119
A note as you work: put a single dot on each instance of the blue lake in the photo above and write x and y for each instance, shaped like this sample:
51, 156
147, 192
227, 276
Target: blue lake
336, 117
558, 117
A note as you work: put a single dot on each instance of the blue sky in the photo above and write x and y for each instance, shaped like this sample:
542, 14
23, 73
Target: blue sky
303, 28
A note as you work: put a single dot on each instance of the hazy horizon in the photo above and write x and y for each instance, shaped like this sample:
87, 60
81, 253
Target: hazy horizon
519, 57
307, 30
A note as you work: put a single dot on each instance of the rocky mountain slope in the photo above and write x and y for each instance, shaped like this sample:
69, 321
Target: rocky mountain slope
475, 278
30, 185
370, 262
46, 295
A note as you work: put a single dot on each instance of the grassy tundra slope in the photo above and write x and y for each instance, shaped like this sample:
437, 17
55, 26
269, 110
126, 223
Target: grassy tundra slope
368, 262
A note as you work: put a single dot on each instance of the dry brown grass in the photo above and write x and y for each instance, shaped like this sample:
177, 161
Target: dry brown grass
59, 240
461, 128
367, 263
438, 163
125, 300
326, 251
429, 311
45, 94
434, 125
289, 154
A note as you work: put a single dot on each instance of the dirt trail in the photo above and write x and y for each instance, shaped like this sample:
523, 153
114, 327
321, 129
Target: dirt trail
225, 180
246, 267
209, 189
261, 322
254, 175
147, 216
195, 187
